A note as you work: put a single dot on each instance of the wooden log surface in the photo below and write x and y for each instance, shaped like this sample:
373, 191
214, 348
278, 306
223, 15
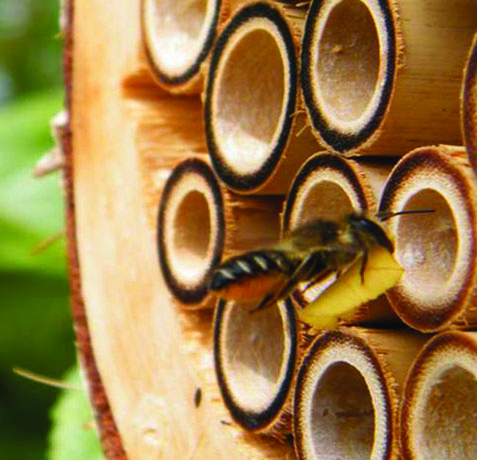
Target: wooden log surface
142, 380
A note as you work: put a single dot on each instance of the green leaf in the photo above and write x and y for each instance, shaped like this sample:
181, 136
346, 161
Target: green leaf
73, 436
35, 334
35, 322
31, 210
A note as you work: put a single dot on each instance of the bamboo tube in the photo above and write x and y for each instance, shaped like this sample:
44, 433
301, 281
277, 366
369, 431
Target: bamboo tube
178, 37
167, 129
251, 120
439, 408
199, 223
256, 359
382, 76
330, 187
191, 230
347, 392
469, 105
438, 250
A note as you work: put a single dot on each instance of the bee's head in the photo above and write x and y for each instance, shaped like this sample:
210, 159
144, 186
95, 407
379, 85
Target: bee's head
370, 232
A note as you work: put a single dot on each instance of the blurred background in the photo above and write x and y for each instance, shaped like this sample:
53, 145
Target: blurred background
36, 334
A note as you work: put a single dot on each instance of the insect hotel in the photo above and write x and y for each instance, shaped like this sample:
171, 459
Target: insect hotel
200, 131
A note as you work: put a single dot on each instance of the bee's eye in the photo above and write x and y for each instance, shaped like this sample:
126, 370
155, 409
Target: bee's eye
374, 230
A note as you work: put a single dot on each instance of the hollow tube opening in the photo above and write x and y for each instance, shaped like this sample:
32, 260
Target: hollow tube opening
449, 417
250, 100
177, 32
254, 355
348, 61
427, 245
342, 421
191, 237
324, 200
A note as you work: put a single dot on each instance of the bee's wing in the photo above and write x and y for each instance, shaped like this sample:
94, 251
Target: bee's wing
344, 296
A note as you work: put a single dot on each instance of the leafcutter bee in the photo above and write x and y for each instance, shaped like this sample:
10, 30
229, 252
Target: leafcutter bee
356, 249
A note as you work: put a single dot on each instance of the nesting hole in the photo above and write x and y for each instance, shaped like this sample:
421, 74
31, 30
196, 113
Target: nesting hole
342, 421
250, 100
348, 60
449, 420
175, 28
324, 200
427, 244
254, 351
192, 229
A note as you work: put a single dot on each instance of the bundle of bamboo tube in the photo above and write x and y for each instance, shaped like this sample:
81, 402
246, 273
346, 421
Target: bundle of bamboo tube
238, 114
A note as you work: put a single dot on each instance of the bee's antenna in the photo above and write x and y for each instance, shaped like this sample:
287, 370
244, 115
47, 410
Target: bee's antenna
386, 216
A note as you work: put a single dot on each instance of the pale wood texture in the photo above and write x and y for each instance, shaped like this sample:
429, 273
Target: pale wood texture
435, 37
166, 130
144, 356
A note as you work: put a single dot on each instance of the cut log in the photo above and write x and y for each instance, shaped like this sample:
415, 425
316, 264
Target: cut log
144, 360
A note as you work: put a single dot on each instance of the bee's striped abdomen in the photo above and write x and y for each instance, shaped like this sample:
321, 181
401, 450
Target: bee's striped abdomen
252, 275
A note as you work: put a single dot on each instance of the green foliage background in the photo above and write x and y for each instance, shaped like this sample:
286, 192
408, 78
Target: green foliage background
35, 324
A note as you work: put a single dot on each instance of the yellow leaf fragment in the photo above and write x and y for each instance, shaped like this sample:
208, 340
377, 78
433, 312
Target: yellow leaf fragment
345, 295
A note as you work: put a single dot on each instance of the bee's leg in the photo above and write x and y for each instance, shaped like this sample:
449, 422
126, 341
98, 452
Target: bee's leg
363, 266
320, 277
308, 285
266, 302
301, 273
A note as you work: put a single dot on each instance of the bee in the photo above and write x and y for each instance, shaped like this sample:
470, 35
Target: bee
308, 255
